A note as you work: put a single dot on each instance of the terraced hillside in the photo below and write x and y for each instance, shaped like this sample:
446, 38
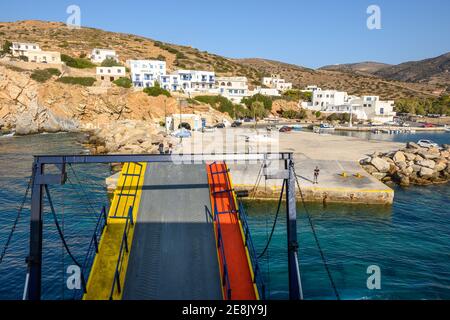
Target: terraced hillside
56, 36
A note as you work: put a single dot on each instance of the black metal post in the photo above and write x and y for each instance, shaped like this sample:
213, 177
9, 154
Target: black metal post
34, 259
291, 225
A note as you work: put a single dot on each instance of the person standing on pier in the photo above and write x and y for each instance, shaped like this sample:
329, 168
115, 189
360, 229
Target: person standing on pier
161, 148
316, 175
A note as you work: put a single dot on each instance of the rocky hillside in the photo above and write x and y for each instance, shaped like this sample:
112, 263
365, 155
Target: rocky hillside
353, 83
432, 71
121, 120
56, 36
364, 68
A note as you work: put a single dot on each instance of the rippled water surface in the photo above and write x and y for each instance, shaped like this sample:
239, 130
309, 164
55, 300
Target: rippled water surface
409, 241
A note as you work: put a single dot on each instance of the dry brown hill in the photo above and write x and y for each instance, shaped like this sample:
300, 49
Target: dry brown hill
348, 81
56, 36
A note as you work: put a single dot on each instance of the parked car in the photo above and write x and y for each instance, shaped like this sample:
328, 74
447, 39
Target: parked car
208, 129
285, 129
220, 125
427, 144
427, 125
236, 124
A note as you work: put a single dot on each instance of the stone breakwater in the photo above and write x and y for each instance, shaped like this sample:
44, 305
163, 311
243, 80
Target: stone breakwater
413, 165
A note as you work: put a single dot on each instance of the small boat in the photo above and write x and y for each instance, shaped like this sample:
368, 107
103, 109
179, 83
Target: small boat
324, 127
182, 133
296, 127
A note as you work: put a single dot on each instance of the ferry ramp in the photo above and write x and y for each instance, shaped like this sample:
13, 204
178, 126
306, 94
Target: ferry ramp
174, 251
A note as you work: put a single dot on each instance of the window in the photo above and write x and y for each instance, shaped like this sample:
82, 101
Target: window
381, 110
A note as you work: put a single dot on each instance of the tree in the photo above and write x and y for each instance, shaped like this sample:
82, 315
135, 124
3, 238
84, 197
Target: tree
266, 101
258, 110
6, 48
123, 82
108, 62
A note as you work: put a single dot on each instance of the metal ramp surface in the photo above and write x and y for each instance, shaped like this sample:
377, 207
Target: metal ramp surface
174, 253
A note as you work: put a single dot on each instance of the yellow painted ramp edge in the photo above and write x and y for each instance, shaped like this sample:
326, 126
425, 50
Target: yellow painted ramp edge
103, 268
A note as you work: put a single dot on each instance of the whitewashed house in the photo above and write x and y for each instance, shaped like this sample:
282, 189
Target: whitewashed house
311, 88
100, 55
321, 99
34, 53
194, 120
110, 74
170, 82
23, 48
144, 73
196, 81
276, 82
368, 108
53, 57
233, 88
266, 92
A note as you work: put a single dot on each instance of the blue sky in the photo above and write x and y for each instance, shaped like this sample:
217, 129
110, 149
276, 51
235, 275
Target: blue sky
311, 33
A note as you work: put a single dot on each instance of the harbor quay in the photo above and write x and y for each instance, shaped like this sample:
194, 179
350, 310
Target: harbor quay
340, 179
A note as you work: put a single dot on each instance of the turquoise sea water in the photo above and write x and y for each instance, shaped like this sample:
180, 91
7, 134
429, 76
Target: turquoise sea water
409, 241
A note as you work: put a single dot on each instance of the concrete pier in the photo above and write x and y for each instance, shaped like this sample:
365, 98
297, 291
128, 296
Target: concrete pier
339, 181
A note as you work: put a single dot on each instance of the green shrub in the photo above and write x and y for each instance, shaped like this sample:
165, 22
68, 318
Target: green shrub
79, 63
123, 82
223, 105
44, 75
54, 71
266, 101
23, 58
156, 91
6, 48
83, 81
110, 63
292, 114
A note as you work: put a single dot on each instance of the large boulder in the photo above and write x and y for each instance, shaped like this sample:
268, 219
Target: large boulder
25, 124
440, 166
382, 165
430, 154
426, 172
412, 145
399, 157
409, 156
379, 175
427, 164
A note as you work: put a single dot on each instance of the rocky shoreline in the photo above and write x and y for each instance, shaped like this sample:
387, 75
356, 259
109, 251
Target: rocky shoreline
412, 165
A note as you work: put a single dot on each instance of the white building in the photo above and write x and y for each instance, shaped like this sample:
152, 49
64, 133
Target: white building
233, 88
194, 121
99, 55
321, 99
311, 88
144, 73
170, 82
266, 92
22, 48
276, 82
378, 110
194, 81
43, 56
369, 108
110, 73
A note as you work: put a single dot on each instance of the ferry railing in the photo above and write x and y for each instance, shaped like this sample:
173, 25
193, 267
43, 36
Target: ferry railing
124, 248
122, 195
220, 246
92, 248
257, 273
